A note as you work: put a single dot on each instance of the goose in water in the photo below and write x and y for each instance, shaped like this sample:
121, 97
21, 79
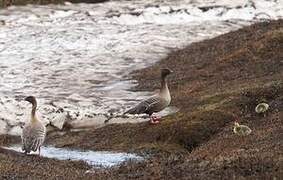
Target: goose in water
241, 130
34, 131
155, 103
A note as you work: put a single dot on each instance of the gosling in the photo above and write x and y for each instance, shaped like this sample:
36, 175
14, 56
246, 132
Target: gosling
261, 108
34, 131
241, 130
155, 103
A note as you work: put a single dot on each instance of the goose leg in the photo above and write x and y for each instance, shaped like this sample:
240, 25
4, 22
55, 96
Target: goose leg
153, 120
156, 119
39, 151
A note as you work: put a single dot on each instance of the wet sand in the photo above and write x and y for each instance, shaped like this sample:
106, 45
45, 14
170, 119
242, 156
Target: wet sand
215, 82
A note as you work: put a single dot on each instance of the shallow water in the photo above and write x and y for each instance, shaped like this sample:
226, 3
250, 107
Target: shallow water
78, 57
93, 158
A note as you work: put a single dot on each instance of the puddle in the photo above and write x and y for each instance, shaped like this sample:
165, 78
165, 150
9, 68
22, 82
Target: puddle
93, 158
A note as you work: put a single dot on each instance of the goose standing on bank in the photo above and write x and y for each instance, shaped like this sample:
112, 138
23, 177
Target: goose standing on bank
34, 131
155, 103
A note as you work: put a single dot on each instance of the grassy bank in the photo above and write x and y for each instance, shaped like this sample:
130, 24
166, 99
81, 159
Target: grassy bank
216, 82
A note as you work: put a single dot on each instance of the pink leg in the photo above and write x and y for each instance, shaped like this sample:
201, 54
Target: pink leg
156, 119
153, 120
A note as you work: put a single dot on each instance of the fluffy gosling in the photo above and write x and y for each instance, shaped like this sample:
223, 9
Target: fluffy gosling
261, 108
241, 130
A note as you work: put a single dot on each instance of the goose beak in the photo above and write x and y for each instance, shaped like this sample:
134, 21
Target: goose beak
27, 99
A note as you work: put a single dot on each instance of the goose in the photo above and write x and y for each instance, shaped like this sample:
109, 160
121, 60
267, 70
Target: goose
34, 131
261, 108
156, 103
241, 130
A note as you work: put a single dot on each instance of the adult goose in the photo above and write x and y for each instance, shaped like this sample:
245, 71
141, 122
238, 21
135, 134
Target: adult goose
156, 103
34, 131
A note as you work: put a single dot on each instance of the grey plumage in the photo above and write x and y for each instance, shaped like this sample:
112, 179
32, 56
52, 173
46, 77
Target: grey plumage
157, 102
153, 104
33, 137
34, 132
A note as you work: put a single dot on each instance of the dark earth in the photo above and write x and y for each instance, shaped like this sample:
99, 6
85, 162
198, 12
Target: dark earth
215, 83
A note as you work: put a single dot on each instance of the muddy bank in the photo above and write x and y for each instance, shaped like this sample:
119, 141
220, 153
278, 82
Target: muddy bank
215, 82
18, 166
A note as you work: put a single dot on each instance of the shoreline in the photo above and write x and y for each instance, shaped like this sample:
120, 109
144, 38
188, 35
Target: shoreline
216, 82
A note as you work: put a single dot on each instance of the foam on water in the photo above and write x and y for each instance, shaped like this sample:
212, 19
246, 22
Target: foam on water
77, 57
93, 158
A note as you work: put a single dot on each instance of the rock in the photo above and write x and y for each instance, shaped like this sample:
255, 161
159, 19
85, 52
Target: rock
96, 122
3, 127
15, 131
59, 120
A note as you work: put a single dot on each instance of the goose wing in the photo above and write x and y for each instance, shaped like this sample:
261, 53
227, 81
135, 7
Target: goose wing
146, 106
33, 137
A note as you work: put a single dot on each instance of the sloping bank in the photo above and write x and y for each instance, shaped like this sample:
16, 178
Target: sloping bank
215, 82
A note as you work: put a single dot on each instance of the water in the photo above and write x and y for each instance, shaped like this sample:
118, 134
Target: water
93, 158
77, 57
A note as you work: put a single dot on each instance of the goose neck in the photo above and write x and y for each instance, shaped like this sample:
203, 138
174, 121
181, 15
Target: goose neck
33, 112
164, 86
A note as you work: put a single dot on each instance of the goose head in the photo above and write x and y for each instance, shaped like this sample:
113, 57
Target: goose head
236, 124
31, 99
165, 72
236, 127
